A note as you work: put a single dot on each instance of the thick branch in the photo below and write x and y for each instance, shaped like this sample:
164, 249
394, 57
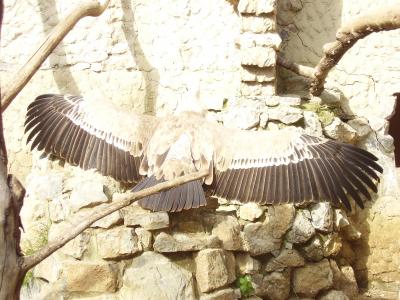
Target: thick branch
386, 18
92, 8
295, 68
82, 224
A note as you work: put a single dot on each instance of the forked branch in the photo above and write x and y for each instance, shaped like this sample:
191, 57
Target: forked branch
80, 225
92, 8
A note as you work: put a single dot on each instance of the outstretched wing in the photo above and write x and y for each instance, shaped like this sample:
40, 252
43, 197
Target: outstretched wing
286, 166
91, 134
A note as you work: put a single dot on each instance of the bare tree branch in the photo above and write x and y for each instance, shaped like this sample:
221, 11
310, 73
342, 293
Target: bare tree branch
295, 68
386, 18
82, 224
92, 8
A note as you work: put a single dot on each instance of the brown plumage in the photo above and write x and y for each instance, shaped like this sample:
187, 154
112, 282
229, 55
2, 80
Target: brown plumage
269, 167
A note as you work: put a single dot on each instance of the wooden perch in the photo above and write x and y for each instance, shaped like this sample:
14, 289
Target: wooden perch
80, 225
384, 19
92, 8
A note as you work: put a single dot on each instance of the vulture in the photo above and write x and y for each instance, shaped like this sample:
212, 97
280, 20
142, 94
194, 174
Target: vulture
267, 167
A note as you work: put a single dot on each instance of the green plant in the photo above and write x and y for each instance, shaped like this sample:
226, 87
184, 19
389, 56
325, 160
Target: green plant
245, 285
324, 112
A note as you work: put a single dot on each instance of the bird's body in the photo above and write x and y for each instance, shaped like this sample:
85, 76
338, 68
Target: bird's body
261, 166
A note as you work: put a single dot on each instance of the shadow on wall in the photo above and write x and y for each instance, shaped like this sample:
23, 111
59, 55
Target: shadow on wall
62, 75
394, 129
150, 74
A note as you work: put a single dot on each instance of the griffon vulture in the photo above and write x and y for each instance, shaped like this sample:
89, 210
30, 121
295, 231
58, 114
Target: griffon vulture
268, 167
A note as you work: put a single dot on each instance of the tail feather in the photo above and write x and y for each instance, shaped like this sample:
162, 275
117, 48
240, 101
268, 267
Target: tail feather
186, 196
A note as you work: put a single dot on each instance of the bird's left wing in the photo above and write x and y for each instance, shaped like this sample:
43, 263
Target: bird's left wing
285, 166
89, 133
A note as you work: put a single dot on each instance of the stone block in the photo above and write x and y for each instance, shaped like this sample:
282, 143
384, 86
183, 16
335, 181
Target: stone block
177, 242
256, 74
312, 124
215, 268
134, 215
258, 24
266, 40
334, 295
309, 280
275, 286
245, 264
145, 238
225, 294
88, 193
251, 89
302, 229
250, 211
256, 7
117, 243
285, 114
258, 239
313, 250
109, 221
258, 56
341, 131
243, 117
322, 216
227, 229
286, 258
90, 276
281, 218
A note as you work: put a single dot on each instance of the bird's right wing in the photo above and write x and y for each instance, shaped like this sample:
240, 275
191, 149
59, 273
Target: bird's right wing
91, 134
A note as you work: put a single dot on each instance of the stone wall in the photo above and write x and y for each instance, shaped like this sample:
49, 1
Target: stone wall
143, 55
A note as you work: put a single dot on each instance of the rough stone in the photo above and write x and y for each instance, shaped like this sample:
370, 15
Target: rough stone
287, 258
312, 278
153, 276
302, 229
227, 229
361, 126
257, 24
258, 239
267, 40
119, 242
275, 286
109, 221
312, 124
338, 130
332, 244
322, 216
90, 276
250, 211
334, 295
250, 89
252, 73
48, 269
258, 56
256, 7
145, 238
177, 242
281, 218
134, 215
340, 219
344, 279
225, 294
285, 114
313, 250
243, 117
87, 194
245, 264
215, 268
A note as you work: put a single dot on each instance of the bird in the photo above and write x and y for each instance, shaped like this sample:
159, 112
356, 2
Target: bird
266, 167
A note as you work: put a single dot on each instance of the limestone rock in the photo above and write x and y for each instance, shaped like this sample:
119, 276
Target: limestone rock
215, 268
48, 269
243, 117
266, 40
225, 294
302, 229
59, 209
361, 126
334, 295
340, 219
281, 218
258, 239
88, 193
285, 114
109, 221
177, 242
287, 258
252, 73
322, 216
251, 89
257, 24
153, 276
312, 278
344, 279
90, 276
272, 100
258, 56
312, 124
134, 215
332, 244
117, 243
338, 130
256, 7
145, 238
275, 286
290, 100
313, 250
227, 229
245, 264
250, 211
